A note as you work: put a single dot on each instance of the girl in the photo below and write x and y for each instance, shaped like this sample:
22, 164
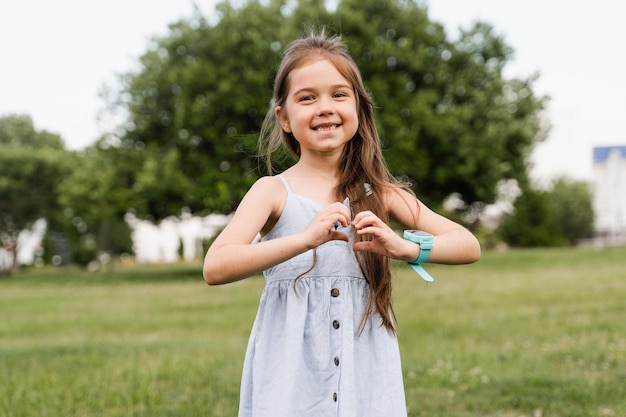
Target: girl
324, 342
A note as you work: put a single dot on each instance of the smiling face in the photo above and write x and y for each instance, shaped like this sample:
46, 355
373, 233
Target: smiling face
320, 109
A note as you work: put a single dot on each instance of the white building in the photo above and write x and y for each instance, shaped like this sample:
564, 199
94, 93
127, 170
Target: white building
609, 191
162, 242
30, 244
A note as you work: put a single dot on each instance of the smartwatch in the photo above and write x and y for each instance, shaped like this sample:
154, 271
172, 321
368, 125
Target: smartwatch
426, 241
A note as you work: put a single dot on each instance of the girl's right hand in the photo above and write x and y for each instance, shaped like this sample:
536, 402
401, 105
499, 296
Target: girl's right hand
322, 228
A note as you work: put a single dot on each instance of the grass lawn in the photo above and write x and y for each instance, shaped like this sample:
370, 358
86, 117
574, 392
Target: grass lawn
532, 333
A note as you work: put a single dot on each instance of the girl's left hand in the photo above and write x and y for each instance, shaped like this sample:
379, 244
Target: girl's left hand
384, 240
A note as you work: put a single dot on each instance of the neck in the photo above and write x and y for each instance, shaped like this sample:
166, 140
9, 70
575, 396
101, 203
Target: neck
326, 166
316, 181
327, 173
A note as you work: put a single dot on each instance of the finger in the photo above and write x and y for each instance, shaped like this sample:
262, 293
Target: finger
369, 226
368, 230
362, 223
363, 245
369, 247
344, 215
365, 220
339, 236
361, 215
342, 220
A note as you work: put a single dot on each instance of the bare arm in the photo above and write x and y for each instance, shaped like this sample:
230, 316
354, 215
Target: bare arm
453, 244
233, 256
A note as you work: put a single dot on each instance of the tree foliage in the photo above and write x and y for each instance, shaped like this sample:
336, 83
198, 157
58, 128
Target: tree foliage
19, 130
31, 165
532, 224
195, 105
559, 216
449, 119
95, 196
571, 202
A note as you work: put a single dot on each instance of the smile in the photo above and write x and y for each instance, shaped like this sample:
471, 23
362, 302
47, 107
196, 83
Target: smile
325, 127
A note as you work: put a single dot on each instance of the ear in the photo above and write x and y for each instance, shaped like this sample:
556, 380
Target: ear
282, 119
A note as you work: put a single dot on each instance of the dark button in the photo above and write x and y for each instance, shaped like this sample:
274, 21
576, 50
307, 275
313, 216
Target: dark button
335, 324
335, 397
336, 360
334, 292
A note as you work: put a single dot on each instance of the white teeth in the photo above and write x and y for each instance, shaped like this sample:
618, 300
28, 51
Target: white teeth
325, 127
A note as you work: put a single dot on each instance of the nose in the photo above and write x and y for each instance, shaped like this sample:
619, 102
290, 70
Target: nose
325, 106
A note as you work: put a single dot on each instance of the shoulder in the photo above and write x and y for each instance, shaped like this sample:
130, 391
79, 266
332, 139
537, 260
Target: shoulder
267, 190
395, 195
402, 205
268, 185
267, 197
259, 208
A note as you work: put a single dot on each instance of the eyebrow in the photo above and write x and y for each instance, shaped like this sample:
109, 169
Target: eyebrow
333, 87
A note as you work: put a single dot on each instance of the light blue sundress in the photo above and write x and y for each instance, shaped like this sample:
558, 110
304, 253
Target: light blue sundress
306, 356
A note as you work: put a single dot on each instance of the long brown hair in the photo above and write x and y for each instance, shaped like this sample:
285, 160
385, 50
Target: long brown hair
363, 162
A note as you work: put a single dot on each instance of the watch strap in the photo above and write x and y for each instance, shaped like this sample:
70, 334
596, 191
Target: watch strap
422, 272
423, 256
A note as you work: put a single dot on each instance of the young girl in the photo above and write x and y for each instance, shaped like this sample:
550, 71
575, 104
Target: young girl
323, 342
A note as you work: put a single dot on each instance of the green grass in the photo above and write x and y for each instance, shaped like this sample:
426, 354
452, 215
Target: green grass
523, 333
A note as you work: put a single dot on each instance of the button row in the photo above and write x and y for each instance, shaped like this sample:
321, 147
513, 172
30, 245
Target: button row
335, 293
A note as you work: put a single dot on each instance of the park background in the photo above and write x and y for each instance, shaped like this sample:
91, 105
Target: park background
524, 332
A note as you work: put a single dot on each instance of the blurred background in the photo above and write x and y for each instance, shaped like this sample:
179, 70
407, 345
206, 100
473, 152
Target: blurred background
128, 129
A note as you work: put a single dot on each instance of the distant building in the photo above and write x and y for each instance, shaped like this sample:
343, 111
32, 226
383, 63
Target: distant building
30, 244
166, 241
609, 191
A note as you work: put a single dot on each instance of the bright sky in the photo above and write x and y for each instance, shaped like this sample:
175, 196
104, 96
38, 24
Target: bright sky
57, 56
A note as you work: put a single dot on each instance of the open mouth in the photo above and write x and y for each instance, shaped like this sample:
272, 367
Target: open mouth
325, 127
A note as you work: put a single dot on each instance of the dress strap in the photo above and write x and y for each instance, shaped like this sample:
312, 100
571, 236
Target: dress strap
285, 183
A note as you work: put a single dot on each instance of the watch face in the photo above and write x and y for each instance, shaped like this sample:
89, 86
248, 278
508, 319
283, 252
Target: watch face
423, 238
418, 233
426, 241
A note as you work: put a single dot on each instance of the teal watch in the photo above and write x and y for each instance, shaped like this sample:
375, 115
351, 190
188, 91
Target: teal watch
426, 241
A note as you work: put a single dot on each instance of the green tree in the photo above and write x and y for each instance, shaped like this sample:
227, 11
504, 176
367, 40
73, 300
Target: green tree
19, 130
32, 164
571, 203
559, 216
450, 121
95, 196
532, 224
196, 104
